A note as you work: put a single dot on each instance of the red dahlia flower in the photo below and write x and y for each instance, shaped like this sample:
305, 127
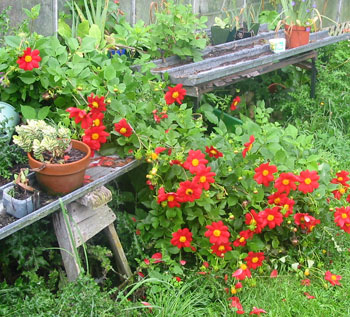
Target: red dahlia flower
264, 174
276, 198
173, 94
248, 146
29, 60
271, 217
243, 237
204, 177
170, 198
96, 118
253, 221
96, 103
338, 193
285, 182
157, 257
287, 206
213, 152
95, 136
257, 311
342, 178
254, 259
182, 238
306, 221
80, 116
342, 216
235, 102
235, 303
188, 191
217, 233
242, 272
221, 249
123, 128
332, 278
195, 161
308, 181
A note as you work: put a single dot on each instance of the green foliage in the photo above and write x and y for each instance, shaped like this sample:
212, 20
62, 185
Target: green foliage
175, 31
4, 23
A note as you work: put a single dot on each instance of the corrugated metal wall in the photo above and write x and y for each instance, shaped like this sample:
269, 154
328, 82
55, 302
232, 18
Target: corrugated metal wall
338, 10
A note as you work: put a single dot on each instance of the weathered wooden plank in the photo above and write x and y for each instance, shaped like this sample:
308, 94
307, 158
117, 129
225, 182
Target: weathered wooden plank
223, 71
119, 255
50, 208
98, 197
87, 222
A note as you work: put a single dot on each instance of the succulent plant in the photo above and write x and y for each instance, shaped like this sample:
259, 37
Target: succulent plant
47, 143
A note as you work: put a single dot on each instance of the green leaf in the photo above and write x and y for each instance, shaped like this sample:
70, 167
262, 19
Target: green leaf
28, 78
64, 30
88, 44
28, 112
95, 32
83, 29
73, 44
109, 73
13, 41
256, 244
43, 112
211, 117
171, 213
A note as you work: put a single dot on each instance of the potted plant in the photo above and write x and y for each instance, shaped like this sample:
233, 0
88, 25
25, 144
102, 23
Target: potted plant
20, 199
58, 161
220, 31
250, 25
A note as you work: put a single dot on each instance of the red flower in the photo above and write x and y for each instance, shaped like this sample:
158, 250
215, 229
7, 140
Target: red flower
157, 257
242, 273
123, 128
183, 262
264, 174
150, 185
204, 177
253, 221
177, 278
147, 261
342, 178
257, 311
96, 118
213, 152
235, 102
276, 198
340, 191
94, 136
171, 198
96, 103
221, 249
80, 116
254, 259
342, 216
308, 181
235, 303
243, 237
305, 282
305, 221
159, 149
248, 145
182, 238
274, 273
189, 191
309, 296
194, 161
29, 60
173, 94
285, 182
271, 217
287, 206
175, 162
217, 233
332, 278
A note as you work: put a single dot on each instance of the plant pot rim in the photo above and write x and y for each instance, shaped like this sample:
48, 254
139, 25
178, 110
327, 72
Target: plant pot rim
88, 153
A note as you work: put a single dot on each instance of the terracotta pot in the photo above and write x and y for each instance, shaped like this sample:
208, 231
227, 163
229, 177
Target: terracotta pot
296, 35
61, 179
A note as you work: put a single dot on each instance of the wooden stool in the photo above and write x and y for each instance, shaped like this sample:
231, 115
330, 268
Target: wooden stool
85, 218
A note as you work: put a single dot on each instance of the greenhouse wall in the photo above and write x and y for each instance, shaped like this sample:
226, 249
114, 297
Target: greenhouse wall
140, 9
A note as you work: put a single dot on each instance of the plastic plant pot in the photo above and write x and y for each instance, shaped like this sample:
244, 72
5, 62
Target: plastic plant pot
16, 207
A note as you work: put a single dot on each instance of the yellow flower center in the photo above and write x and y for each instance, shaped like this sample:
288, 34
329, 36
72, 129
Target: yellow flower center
311, 228
344, 216
285, 182
154, 156
221, 248
253, 222
255, 259
175, 94
340, 179
334, 278
286, 206
202, 179
347, 224
302, 219
97, 122
171, 198
95, 136
243, 267
242, 239
213, 152
183, 239
277, 201
122, 130
270, 217
217, 233
28, 58
250, 147
95, 104
307, 181
265, 172
195, 162
189, 191
342, 190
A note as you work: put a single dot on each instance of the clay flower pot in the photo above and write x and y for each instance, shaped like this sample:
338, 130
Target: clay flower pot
296, 35
61, 179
